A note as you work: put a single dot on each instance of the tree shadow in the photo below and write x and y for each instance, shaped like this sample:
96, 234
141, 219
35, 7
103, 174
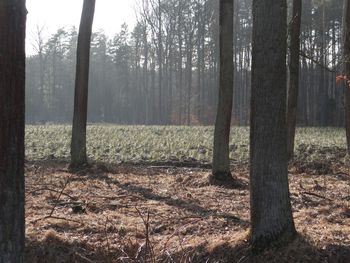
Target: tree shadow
187, 205
54, 249
300, 250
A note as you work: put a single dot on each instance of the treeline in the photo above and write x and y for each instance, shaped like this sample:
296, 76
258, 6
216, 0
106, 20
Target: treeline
165, 69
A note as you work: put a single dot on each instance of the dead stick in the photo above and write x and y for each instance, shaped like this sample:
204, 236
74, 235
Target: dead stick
55, 217
319, 196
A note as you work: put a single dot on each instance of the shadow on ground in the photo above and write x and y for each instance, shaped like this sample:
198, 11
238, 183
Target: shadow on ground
54, 250
188, 205
298, 251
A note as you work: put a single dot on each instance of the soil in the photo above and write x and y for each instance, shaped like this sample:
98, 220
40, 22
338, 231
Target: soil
143, 213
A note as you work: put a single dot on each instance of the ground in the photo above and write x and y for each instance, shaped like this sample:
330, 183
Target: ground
146, 197
125, 212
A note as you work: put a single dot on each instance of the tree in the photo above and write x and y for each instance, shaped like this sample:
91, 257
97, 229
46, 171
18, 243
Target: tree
271, 214
293, 89
189, 88
12, 87
346, 48
78, 144
221, 154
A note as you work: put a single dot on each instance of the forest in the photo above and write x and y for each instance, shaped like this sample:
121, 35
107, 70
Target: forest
210, 131
172, 67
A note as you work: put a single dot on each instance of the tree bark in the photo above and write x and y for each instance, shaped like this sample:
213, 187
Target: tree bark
160, 65
293, 89
78, 144
346, 51
12, 88
189, 54
271, 214
221, 154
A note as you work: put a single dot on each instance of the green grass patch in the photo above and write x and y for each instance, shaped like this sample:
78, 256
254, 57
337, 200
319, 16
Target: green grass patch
114, 143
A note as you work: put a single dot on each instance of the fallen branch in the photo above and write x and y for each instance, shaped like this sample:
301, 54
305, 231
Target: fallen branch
55, 205
54, 217
317, 195
52, 190
83, 258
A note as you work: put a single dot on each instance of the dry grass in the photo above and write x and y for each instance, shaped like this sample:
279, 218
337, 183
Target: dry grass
102, 215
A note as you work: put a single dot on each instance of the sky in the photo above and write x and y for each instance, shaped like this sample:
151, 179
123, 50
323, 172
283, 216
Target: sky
54, 14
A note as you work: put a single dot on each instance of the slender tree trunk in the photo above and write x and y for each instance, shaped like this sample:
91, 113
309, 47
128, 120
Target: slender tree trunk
180, 76
12, 87
271, 214
221, 154
189, 46
346, 51
160, 65
293, 90
145, 76
152, 89
78, 144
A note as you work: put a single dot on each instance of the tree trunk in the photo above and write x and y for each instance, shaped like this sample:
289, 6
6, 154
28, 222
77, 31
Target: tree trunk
189, 46
346, 47
293, 90
180, 76
221, 154
160, 65
78, 144
271, 214
12, 89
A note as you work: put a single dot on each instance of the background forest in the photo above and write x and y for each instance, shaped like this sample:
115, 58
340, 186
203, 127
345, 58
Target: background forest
165, 70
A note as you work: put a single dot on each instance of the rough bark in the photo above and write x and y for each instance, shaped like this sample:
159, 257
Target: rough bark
12, 87
221, 154
271, 215
78, 144
293, 89
346, 51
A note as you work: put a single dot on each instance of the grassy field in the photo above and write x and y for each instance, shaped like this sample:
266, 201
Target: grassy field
112, 143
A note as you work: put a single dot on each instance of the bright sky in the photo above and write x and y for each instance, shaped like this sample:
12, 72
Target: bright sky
54, 14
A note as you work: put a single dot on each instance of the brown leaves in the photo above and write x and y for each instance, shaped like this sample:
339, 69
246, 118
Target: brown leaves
340, 78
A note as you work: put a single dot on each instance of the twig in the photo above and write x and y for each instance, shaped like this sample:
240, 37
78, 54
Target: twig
84, 258
71, 203
52, 190
54, 217
55, 205
346, 198
117, 196
107, 240
319, 196
149, 247
303, 54
59, 196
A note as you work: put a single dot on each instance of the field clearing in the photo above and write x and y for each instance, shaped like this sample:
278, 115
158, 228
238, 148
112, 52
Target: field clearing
146, 198
147, 144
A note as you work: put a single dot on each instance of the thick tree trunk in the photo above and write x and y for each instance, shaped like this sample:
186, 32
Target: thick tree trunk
271, 214
346, 48
221, 154
78, 144
293, 90
12, 87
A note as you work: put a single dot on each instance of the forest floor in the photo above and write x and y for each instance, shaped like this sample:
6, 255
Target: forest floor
147, 213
